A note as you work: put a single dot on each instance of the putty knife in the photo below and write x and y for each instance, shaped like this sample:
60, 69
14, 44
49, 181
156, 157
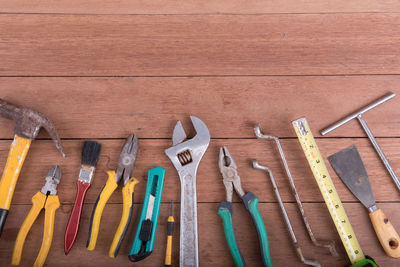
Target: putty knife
350, 168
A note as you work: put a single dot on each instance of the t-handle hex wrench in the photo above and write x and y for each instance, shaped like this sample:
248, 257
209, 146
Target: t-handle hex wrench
358, 115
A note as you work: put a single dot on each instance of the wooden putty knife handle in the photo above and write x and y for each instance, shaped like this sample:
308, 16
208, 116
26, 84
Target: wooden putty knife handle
387, 235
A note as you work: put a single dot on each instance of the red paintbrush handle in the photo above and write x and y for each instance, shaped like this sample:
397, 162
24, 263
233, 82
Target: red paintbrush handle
73, 223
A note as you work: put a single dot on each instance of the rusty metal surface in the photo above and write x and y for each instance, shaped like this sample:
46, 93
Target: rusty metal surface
28, 122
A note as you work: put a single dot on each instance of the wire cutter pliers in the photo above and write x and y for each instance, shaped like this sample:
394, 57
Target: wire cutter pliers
231, 180
46, 199
123, 172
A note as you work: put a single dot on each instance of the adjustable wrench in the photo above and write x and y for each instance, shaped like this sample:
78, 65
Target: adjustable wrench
186, 156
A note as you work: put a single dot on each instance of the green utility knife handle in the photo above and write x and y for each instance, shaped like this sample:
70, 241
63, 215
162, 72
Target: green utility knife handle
155, 173
367, 262
250, 201
226, 212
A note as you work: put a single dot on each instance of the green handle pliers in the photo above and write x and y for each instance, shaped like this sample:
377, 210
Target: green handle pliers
231, 181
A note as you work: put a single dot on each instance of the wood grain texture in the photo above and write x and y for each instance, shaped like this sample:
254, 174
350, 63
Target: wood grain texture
103, 69
196, 6
206, 45
230, 106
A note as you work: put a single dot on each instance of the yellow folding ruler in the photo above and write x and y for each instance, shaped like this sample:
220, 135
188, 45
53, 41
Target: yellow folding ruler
330, 194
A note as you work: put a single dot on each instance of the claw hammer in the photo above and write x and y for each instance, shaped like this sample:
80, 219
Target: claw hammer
27, 125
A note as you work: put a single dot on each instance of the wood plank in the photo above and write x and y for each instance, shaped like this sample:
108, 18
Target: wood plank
196, 7
209, 182
187, 45
230, 106
212, 245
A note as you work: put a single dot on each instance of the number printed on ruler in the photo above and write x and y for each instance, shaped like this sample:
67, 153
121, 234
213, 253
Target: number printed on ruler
328, 190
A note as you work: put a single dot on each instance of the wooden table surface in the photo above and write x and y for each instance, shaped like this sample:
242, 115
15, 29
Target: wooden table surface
101, 69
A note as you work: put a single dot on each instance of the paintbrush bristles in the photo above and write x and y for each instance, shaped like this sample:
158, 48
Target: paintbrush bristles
90, 153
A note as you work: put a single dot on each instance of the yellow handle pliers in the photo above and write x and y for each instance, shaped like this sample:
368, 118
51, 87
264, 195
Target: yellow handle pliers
46, 199
123, 172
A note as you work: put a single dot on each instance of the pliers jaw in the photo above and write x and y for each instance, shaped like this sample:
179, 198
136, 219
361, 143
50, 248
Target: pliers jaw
127, 159
53, 178
228, 169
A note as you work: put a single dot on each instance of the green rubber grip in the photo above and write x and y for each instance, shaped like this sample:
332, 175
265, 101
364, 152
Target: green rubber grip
225, 212
250, 201
368, 262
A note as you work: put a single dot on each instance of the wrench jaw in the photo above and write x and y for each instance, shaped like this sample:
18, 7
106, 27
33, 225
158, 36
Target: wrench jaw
186, 155
202, 136
202, 133
178, 135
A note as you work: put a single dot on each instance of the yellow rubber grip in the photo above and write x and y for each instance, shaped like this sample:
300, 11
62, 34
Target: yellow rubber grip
127, 198
52, 204
168, 251
16, 156
105, 194
38, 201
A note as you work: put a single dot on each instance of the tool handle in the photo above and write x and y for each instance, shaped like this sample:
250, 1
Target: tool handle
73, 223
387, 235
98, 208
38, 201
52, 204
251, 203
127, 199
16, 156
168, 250
225, 212
168, 256
189, 253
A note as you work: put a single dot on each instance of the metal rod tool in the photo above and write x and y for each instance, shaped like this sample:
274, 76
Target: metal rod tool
319, 243
358, 115
256, 165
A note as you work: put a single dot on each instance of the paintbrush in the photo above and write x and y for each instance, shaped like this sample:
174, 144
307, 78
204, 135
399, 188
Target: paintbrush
90, 155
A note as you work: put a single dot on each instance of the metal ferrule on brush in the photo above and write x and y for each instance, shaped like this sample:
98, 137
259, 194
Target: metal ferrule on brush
86, 174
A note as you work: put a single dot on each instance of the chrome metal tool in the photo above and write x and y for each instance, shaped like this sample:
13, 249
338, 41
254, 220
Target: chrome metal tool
319, 243
186, 156
256, 165
358, 115
350, 169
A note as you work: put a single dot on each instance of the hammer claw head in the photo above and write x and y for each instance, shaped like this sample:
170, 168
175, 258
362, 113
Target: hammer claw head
28, 122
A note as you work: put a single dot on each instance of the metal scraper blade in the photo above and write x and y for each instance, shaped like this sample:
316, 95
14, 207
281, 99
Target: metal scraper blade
350, 168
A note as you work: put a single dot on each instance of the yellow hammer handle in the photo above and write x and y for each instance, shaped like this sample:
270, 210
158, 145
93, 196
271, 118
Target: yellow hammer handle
18, 150
52, 204
98, 208
38, 201
127, 200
